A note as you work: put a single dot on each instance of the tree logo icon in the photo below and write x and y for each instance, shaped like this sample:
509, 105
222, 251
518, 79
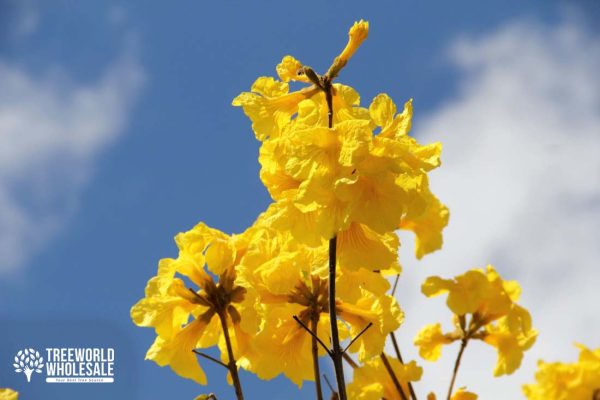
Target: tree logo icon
28, 361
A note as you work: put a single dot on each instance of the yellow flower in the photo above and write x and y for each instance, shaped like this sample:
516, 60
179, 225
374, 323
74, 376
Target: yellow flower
478, 292
270, 106
383, 312
349, 178
430, 340
357, 34
511, 335
291, 280
184, 318
567, 381
485, 309
8, 394
327, 180
372, 380
290, 69
460, 394
427, 225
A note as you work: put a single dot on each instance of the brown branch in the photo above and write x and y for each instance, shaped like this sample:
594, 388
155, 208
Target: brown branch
232, 366
336, 351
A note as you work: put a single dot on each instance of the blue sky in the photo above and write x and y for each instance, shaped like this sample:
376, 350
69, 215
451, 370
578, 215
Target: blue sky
116, 132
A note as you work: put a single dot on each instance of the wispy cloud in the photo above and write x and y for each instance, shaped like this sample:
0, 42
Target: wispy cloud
521, 176
51, 130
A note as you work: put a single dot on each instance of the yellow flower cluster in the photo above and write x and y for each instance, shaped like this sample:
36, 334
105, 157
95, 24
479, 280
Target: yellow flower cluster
260, 295
312, 270
572, 381
373, 381
265, 278
485, 309
359, 180
8, 394
187, 318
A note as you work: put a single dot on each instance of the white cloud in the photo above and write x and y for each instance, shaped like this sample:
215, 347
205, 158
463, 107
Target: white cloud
51, 130
521, 176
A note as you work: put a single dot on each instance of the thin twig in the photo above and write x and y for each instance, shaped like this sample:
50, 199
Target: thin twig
357, 336
315, 356
392, 375
463, 345
211, 358
349, 360
395, 284
307, 329
397, 350
329, 384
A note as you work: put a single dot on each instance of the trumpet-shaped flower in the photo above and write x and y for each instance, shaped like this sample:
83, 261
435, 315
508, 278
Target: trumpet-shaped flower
567, 381
185, 318
372, 380
495, 317
430, 341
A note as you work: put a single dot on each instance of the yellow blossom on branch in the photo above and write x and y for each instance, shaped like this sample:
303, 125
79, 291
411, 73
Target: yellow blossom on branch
186, 318
291, 281
329, 180
567, 381
372, 380
485, 309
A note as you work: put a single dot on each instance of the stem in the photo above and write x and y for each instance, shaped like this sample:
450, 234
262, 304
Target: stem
463, 345
221, 363
357, 336
336, 351
232, 364
315, 355
350, 361
397, 350
329, 99
390, 371
311, 333
395, 284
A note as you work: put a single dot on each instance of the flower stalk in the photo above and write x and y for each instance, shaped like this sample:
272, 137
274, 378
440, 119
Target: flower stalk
463, 346
232, 365
336, 349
